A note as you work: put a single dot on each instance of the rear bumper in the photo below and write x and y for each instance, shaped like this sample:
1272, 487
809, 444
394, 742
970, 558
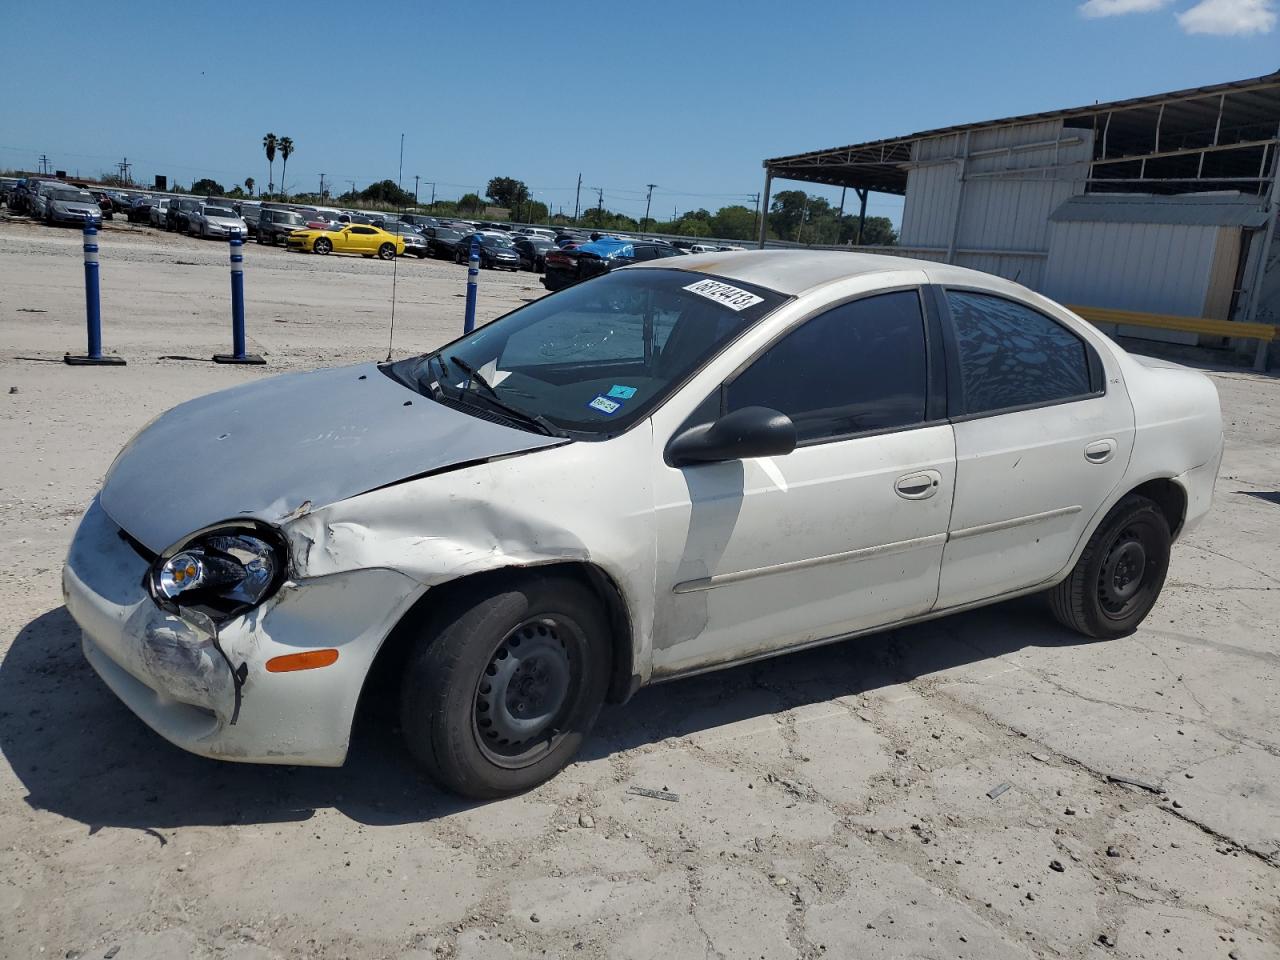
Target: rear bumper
169, 671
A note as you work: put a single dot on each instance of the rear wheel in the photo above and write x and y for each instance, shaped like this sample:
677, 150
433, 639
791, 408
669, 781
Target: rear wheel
322, 245
1118, 578
505, 685
387, 252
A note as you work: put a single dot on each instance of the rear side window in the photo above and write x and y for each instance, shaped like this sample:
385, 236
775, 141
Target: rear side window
1010, 355
858, 367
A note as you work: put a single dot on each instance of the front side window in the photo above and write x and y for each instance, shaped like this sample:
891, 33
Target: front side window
858, 367
362, 231
597, 357
1010, 355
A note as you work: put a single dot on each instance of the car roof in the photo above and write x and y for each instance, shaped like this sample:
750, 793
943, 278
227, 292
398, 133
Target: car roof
794, 272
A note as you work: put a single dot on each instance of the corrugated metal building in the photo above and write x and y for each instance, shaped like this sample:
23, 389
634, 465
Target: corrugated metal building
1161, 204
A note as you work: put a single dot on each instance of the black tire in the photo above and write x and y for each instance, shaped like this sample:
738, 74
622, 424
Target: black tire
463, 728
1118, 578
321, 246
387, 252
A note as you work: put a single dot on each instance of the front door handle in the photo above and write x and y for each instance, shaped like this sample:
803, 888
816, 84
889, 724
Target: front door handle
918, 486
1100, 451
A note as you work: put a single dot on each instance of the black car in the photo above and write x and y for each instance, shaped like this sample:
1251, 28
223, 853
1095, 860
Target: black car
275, 224
564, 268
139, 210
496, 253
533, 252
178, 215
443, 241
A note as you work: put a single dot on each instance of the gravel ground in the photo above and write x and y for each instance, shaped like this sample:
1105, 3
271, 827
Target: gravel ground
842, 802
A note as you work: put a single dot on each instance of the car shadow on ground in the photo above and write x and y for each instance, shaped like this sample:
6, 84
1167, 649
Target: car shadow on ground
80, 753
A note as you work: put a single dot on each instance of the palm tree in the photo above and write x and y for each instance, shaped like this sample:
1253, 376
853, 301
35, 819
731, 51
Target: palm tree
269, 144
286, 148
249, 184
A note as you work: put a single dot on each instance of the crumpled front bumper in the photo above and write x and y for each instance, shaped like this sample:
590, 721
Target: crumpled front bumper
168, 668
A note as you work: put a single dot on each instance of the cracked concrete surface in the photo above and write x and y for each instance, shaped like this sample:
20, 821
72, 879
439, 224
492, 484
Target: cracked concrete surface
833, 803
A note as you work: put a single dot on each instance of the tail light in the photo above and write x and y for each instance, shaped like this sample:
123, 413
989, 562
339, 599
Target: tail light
558, 258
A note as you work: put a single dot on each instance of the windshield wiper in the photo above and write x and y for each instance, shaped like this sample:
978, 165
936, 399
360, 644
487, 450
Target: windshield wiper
535, 419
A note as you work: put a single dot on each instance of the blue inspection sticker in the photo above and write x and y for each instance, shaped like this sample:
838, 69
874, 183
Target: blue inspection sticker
619, 392
605, 405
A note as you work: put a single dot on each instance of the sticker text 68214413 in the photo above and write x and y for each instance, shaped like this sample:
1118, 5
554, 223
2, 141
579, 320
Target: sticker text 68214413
724, 294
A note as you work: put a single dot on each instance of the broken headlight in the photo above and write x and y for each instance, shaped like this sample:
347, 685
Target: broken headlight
221, 573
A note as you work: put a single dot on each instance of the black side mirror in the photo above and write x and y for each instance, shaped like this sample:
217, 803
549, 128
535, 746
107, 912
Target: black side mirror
749, 432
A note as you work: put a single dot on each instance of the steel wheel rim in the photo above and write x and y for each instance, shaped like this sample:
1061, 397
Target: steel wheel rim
321, 245
528, 689
386, 251
1126, 570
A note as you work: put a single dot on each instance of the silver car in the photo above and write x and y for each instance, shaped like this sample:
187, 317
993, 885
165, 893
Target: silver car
70, 205
214, 221
415, 244
157, 212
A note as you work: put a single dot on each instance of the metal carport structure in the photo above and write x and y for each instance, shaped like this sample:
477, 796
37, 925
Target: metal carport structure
1222, 137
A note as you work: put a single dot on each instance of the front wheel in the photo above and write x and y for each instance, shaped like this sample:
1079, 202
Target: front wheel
322, 246
1118, 578
387, 252
505, 684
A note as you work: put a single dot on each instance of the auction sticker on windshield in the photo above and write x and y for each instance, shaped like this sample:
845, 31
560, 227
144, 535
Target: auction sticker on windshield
604, 405
723, 293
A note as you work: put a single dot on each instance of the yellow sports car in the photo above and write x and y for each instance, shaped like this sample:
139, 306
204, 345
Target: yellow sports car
348, 238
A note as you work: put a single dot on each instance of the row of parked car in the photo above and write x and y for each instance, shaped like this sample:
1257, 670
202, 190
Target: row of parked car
564, 256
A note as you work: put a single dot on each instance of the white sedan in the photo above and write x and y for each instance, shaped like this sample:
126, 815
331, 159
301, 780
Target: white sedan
668, 469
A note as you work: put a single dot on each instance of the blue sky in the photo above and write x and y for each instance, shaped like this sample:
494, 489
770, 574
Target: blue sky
688, 95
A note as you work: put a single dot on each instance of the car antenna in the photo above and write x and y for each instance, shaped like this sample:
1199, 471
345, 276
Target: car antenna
395, 263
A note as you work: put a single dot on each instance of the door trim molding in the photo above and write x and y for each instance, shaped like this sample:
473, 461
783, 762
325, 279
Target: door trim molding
862, 553
1012, 522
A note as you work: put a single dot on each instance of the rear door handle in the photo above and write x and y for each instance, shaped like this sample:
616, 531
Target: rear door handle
918, 486
1100, 451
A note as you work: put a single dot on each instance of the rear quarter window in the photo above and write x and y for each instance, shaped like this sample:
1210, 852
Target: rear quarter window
1009, 355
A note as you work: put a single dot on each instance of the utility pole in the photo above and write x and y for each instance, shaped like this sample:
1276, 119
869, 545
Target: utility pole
353, 190
599, 204
400, 175
415, 189
756, 229
44, 165
322, 186
647, 201
577, 197
124, 166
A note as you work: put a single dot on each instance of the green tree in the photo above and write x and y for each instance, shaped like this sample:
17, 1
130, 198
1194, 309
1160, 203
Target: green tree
877, 231
387, 193
269, 145
470, 202
286, 151
785, 212
208, 187
734, 222
248, 185
506, 192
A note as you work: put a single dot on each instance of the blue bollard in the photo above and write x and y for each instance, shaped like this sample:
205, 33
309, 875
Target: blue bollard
473, 278
93, 310
238, 354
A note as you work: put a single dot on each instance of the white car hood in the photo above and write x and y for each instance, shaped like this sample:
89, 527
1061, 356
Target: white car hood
264, 449
225, 221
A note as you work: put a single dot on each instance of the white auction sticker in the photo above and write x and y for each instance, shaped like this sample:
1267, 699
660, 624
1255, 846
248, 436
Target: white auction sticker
723, 293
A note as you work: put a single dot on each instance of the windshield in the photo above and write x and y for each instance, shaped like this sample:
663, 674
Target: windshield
491, 241
290, 218
594, 358
218, 212
74, 196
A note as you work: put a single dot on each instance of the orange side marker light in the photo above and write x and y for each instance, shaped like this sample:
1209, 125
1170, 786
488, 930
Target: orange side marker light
307, 660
